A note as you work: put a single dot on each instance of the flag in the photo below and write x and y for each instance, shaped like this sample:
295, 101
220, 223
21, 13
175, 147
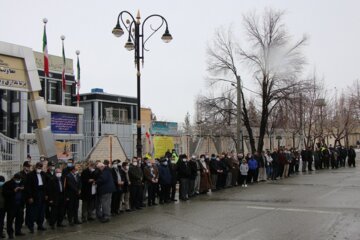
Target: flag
45, 52
63, 69
147, 134
78, 80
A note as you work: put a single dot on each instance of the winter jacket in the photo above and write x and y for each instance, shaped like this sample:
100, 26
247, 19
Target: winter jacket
244, 168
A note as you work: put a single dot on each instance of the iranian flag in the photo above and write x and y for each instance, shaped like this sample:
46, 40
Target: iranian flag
63, 68
45, 52
78, 77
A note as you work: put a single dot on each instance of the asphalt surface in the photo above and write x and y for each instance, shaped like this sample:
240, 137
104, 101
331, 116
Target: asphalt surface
317, 205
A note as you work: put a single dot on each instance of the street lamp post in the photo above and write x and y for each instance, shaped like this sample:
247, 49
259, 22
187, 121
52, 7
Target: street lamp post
137, 42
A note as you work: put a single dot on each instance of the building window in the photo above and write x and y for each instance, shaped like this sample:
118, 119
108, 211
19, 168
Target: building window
52, 96
68, 95
116, 115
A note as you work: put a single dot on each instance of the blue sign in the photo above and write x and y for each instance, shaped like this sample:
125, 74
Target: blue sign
164, 128
64, 123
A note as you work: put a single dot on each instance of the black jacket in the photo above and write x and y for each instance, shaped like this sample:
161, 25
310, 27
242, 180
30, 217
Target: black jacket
184, 170
125, 187
53, 191
72, 186
86, 187
31, 185
115, 179
9, 195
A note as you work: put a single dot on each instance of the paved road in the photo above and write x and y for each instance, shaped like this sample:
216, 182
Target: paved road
320, 205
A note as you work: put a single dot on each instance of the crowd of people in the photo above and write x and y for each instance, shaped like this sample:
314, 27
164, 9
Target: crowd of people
52, 192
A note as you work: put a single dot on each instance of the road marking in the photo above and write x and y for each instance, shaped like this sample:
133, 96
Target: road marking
293, 210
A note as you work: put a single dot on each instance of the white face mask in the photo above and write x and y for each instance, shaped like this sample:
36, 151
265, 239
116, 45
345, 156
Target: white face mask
58, 175
38, 170
127, 168
77, 172
114, 165
135, 163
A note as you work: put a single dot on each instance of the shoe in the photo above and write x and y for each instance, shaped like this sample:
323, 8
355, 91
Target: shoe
60, 225
11, 237
104, 220
138, 208
52, 227
19, 234
128, 210
31, 230
154, 204
71, 224
174, 200
245, 185
41, 228
78, 222
91, 219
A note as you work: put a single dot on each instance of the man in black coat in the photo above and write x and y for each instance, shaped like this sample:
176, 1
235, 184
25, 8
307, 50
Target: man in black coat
35, 191
105, 188
13, 192
56, 198
116, 196
351, 156
72, 195
136, 176
88, 192
174, 177
184, 173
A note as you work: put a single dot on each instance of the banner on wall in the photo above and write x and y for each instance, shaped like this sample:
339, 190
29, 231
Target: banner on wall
161, 145
63, 150
64, 123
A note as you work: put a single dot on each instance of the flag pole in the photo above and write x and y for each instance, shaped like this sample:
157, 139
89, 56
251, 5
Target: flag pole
46, 60
63, 79
78, 78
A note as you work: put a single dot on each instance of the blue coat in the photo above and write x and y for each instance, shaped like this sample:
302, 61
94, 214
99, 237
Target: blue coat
253, 164
105, 182
164, 175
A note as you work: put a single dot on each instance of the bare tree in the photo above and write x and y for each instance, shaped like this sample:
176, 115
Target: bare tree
275, 61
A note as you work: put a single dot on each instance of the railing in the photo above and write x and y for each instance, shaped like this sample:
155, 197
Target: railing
9, 156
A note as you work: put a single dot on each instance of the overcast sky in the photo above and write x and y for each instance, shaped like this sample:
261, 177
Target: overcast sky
175, 73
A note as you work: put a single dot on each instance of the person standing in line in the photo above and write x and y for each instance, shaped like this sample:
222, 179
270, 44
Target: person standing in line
105, 188
164, 181
151, 175
116, 196
14, 201
205, 179
193, 175
174, 176
269, 165
253, 166
184, 173
244, 169
351, 157
35, 191
72, 194
125, 196
56, 199
88, 192
136, 183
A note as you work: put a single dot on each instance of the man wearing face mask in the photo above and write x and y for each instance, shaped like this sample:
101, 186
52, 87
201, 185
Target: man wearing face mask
69, 165
174, 177
72, 195
56, 199
125, 196
136, 182
50, 175
35, 191
13, 192
184, 173
151, 175
88, 192
165, 181
116, 196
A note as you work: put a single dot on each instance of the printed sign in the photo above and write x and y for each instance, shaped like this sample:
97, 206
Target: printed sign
162, 144
64, 123
13, 75
164, 128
